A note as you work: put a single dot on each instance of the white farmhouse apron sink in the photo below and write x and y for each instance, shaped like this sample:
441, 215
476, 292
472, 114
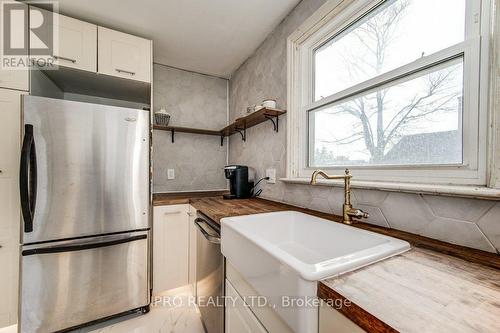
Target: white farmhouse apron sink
283, 255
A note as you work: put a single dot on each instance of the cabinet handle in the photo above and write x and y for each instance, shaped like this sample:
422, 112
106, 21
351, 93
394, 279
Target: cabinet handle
64, 58
172, 213
124, 71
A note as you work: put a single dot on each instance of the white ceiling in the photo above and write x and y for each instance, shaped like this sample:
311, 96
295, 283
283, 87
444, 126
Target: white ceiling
207, 36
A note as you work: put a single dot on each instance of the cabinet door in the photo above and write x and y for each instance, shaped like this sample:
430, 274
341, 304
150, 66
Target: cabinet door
192, 249
330, 320
18, 77
77, 45
124, 55
239, 318
10, 146
170, 247
14, 79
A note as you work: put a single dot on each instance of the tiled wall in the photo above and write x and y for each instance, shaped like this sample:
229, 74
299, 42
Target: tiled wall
468, 222
193, 100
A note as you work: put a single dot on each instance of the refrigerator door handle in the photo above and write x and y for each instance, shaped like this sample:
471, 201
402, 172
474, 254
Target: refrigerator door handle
83, 246
28, 178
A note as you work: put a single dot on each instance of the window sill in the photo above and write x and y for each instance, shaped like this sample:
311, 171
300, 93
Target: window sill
476, 192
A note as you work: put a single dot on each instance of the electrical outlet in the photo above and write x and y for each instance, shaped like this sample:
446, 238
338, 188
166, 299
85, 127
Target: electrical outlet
271, 173
170, 174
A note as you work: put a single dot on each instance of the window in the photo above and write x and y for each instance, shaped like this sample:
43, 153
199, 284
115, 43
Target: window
390, 89
415, 121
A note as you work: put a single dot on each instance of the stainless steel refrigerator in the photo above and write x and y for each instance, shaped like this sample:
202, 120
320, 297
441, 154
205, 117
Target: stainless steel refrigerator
84, 187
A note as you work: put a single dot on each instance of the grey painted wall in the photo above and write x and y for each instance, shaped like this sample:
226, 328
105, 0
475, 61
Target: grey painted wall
468, 222
193, 100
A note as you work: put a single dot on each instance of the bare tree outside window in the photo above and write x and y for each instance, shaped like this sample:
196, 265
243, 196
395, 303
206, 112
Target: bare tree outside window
417, 120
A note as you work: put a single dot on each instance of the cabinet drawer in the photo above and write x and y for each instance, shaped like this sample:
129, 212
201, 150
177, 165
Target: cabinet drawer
124, 55
239, 318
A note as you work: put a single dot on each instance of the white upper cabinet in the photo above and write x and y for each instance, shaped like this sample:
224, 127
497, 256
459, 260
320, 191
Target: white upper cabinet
16, 77
124, 55
77, 43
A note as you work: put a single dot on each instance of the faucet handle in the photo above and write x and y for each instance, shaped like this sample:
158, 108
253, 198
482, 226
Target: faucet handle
360, 214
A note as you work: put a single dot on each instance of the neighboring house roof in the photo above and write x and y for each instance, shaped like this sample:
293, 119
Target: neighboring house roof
437, 147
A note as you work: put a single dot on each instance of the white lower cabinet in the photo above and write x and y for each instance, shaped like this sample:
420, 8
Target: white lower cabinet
269, 319
10, 147
170, 247
239, 318
330, 320
244, 316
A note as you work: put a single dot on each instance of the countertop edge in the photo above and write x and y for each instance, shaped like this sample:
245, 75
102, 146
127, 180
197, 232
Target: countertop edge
179, 198
353, 312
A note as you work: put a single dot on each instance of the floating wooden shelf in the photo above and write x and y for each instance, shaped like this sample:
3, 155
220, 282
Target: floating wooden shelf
186, 130
253, 119
174, 129
240, 125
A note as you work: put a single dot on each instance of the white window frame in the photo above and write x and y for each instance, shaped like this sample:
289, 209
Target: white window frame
331, 19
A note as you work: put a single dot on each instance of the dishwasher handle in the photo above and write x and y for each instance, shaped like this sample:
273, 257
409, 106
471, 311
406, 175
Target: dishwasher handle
210, 238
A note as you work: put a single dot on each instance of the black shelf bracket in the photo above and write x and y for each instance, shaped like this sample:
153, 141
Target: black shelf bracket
242, 131
275, 123
222, 140
172, 133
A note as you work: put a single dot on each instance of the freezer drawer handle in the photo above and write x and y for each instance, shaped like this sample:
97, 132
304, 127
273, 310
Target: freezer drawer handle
80, 247
210, 238
28, 178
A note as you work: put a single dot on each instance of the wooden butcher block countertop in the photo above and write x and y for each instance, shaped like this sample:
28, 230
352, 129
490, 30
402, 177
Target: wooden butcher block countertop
434, 287
179, 198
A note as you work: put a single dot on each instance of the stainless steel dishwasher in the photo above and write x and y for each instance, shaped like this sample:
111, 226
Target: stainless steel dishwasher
209, 274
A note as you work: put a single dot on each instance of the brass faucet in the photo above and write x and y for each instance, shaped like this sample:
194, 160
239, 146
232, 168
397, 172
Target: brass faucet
348, 211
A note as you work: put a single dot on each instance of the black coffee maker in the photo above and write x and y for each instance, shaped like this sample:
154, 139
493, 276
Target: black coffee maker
240, 187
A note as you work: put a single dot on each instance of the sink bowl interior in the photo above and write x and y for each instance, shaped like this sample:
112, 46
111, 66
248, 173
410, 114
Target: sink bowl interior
310, 240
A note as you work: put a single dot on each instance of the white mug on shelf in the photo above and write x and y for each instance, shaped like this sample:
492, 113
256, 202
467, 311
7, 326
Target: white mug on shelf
269, 103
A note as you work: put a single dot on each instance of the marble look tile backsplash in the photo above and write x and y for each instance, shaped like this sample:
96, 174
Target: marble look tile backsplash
193, 100
467, 222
